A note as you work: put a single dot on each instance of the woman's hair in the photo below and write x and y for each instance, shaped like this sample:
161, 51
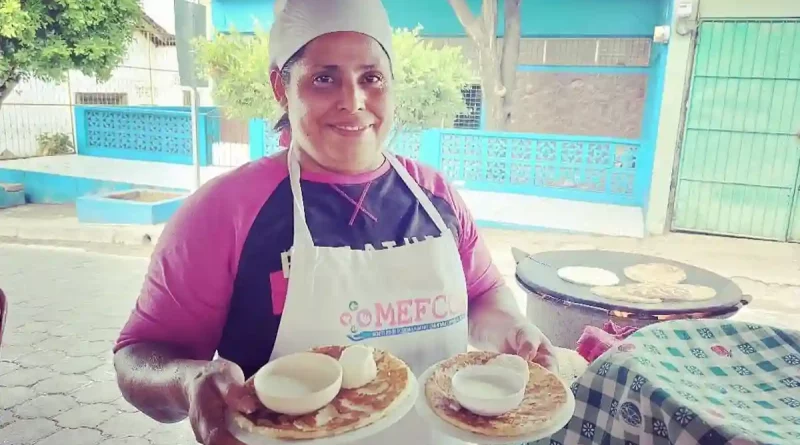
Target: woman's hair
285, 73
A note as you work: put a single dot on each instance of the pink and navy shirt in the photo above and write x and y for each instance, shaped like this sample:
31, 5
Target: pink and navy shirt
216, 280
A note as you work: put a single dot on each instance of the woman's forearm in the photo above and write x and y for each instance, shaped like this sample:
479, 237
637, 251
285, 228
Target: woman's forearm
153, 378
491, 318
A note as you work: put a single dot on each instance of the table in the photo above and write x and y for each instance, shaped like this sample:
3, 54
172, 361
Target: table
691, 381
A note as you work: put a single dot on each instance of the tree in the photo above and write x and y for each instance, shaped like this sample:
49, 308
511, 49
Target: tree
428, 80
498, 66
45, 39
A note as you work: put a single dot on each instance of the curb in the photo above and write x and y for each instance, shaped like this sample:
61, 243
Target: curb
37, 230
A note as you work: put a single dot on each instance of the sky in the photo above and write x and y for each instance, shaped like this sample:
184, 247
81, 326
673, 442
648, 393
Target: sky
162, 11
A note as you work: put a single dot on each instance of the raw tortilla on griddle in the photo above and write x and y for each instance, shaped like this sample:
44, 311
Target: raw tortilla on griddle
653, 293
588, 276
655, 273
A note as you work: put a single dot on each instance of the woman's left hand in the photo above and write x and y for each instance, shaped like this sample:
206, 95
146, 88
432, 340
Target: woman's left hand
528, 342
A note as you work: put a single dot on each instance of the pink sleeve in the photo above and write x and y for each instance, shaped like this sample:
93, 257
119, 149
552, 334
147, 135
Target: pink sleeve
186, 293
481, 273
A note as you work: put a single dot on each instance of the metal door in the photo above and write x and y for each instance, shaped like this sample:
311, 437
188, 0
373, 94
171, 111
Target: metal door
739, 162
794, 224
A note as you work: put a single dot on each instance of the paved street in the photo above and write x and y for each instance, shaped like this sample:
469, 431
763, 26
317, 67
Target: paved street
57, 384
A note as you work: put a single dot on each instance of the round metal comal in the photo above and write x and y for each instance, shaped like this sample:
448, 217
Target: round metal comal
562, 309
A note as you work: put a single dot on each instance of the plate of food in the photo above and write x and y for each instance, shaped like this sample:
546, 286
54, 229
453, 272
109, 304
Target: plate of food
489, 398
330, 395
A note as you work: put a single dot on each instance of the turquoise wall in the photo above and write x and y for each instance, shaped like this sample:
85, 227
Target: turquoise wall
539, 17
241, 13
49, 188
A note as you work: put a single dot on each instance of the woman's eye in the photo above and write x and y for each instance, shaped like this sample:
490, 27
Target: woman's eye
373, 78
323, 79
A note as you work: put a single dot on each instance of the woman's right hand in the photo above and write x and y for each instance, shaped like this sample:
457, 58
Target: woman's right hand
217, 389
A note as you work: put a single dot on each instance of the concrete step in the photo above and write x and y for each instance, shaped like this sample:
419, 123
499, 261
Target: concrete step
11, 195
12, 187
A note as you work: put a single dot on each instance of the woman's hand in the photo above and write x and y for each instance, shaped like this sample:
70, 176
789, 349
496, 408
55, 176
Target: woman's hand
217, 389
528, 342
496, 324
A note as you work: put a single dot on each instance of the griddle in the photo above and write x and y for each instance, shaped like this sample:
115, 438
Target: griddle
538, 273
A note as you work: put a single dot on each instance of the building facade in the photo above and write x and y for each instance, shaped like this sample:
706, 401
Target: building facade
147, 76
728, 150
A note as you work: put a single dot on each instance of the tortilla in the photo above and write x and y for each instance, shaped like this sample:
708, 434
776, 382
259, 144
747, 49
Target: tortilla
655, 273
352, 409
588, 276
545, 396
654, 293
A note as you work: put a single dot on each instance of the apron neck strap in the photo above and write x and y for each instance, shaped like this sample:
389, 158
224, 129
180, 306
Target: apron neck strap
302, 234
418, 193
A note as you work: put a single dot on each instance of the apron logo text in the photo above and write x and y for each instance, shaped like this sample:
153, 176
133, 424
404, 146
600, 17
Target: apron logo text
400, 317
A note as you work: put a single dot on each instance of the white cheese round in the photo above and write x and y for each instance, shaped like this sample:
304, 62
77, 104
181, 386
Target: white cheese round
358, 366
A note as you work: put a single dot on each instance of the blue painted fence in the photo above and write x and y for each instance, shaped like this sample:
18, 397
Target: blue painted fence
595, 169
146, 133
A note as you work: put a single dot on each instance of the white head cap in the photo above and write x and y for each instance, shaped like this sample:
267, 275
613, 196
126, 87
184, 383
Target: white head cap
298, 22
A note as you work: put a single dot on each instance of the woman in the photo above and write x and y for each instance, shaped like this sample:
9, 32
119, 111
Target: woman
377, 250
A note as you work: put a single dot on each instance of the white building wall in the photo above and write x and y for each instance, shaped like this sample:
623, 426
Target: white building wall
148, 76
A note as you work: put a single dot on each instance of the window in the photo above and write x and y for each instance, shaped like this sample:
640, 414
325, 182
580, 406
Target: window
471, 120
622, 51
101, 98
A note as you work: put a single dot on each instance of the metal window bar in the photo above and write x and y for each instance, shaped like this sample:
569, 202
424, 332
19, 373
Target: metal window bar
471, 120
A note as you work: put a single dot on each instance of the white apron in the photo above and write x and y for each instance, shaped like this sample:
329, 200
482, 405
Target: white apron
410, 300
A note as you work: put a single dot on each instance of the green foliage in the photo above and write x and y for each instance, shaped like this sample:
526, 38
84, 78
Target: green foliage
428, 81
239, 66
55, 144
47, 38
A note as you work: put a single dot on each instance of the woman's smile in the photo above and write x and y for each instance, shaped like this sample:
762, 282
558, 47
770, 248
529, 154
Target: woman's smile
350, 130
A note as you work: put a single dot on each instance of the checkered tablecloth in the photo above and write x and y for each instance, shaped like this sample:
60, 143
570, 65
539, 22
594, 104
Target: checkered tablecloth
691, 381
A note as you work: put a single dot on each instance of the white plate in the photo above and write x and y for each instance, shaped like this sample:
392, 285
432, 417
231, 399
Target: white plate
560, 419
391, 418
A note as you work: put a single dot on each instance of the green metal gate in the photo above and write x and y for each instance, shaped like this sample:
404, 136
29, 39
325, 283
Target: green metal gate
740, 159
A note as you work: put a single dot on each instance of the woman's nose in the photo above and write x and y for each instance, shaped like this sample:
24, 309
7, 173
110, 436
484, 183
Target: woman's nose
352, 97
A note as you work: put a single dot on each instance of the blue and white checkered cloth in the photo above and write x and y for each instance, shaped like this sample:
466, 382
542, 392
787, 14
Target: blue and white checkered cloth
691, 382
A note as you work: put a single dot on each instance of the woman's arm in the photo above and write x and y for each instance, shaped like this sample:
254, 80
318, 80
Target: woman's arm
153, 377
495, 320
163, 384
491, 314
176, 324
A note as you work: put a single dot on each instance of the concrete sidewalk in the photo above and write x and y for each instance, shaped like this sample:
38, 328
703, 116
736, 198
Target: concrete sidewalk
59, 223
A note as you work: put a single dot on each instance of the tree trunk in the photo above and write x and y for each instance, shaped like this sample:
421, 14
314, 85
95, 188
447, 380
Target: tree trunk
510, 58
7, 87
493, 96
498, 67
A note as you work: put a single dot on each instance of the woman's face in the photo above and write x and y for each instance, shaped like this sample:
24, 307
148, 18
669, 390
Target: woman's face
339, 101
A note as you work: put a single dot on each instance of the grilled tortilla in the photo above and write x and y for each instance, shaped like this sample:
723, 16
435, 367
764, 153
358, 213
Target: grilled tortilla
545, 395
352, 409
